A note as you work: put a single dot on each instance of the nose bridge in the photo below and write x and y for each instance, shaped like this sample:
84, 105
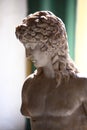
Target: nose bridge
28, 52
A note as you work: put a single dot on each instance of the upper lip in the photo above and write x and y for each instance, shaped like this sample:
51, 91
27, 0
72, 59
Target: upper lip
32, 58
34, 61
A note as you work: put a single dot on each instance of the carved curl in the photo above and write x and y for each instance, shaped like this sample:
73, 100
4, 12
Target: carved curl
47, 30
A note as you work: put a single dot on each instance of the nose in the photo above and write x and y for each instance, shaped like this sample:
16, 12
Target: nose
28, 52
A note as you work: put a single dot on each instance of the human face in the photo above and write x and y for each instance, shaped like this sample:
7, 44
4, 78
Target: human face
38, 57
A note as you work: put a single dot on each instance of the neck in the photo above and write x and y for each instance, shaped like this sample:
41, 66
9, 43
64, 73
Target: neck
49, 71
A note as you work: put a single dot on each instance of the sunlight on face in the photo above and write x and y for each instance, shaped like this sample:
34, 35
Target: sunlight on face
38, 57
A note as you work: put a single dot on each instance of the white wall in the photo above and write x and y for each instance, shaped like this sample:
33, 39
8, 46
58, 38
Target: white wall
12, 65
81, 36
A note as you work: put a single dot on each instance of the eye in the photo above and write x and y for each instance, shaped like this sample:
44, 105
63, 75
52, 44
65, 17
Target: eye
27, 46
32, 47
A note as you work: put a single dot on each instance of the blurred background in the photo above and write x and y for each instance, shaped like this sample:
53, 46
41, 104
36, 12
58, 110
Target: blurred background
14, 67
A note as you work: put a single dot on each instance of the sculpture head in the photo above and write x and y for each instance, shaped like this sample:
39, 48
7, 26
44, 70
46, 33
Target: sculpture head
47, 32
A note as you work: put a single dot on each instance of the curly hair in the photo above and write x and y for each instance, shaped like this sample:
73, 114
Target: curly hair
47, 30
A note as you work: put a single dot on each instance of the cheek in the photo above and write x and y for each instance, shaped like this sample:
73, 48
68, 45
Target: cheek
37, 55
44, 60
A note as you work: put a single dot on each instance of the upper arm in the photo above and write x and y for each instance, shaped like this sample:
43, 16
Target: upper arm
85, 107
85, 95
25, 89
83, 84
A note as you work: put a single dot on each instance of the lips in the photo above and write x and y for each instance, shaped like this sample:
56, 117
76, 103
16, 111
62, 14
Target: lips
33, 60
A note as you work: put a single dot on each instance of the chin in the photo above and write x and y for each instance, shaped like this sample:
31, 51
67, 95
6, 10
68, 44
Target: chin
37, 66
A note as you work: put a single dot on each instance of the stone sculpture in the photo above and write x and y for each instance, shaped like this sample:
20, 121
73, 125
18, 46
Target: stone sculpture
54, 97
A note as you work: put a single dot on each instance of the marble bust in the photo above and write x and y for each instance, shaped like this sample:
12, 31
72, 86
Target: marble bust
54, 97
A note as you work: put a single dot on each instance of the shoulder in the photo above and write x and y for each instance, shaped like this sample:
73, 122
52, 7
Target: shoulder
82, 82
79, 82
28, 81
31, 77
82, 77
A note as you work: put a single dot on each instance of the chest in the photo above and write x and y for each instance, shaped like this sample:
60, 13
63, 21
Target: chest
44, 97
